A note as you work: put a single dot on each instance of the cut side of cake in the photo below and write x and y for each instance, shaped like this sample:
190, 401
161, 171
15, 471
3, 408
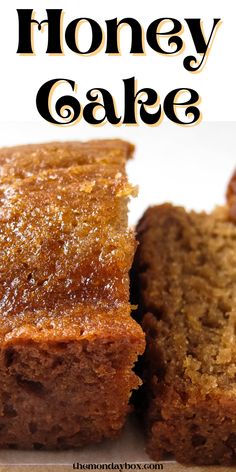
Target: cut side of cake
68, 343
186, 271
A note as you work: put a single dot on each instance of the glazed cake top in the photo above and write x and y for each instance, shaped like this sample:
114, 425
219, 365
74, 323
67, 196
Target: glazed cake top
25, 160
64, 241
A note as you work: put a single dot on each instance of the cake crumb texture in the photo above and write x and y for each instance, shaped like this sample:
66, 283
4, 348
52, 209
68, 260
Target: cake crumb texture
186, 271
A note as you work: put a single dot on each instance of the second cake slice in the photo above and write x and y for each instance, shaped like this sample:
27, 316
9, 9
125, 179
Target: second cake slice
186, 266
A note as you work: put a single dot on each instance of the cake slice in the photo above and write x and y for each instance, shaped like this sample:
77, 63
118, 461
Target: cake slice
68, 343
186, 270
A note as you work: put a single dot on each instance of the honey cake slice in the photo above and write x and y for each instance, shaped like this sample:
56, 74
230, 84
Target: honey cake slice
68, 343
186, 267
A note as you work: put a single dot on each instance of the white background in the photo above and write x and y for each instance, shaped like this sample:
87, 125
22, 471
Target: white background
22, 76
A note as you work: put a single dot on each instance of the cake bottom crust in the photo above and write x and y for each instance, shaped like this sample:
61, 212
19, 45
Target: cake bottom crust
203, 434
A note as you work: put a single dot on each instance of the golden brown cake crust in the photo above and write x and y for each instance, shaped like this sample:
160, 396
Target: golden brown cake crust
67, 340
64, 239
186, 268
25, 160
